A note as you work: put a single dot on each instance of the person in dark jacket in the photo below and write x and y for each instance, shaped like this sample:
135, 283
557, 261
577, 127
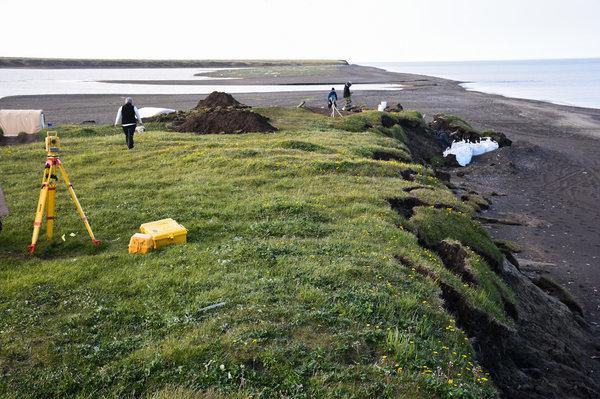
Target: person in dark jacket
332, 98
128, 116
347, 96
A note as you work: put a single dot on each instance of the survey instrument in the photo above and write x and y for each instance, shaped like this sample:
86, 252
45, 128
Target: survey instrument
47, 199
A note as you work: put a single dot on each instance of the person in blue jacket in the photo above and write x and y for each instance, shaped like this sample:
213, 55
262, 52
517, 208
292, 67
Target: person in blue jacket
332, 98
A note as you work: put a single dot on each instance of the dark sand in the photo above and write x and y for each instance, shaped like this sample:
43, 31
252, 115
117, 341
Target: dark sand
549, 178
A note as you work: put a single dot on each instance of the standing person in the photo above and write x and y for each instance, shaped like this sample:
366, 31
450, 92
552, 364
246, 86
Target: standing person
332, 98
347, 96
128, 116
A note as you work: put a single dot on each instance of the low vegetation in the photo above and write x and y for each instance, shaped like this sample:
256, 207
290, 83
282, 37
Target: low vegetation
277, 71
454, 122
329, 292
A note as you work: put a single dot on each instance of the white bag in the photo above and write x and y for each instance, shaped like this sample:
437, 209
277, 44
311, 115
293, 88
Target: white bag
465, 151
148, 112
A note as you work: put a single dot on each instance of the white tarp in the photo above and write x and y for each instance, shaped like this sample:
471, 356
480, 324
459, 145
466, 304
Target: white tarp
148, 112
15, 121
465, 151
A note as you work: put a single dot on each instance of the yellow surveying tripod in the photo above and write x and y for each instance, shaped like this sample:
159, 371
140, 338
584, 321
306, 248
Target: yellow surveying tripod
48, 194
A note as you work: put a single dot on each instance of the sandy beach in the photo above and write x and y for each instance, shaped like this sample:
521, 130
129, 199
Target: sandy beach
549, 180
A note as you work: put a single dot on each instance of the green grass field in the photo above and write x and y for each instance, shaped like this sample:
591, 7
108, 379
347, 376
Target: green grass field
292, 230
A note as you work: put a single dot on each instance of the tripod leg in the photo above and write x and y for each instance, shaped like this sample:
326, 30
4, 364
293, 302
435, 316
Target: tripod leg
77, 204
39, 213
334, 110
51, 205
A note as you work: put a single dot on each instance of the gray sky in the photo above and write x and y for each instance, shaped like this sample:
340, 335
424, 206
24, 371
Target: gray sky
356, 30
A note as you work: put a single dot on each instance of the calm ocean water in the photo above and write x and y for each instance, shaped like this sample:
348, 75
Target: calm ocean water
568, 82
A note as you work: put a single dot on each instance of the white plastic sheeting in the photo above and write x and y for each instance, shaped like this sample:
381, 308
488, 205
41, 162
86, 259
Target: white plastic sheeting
465, 151
148, 112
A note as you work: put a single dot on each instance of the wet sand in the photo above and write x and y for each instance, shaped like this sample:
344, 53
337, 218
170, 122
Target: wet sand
549, 178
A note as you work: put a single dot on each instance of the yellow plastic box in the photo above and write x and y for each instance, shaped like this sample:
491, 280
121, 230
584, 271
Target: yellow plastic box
140, 243
165, 232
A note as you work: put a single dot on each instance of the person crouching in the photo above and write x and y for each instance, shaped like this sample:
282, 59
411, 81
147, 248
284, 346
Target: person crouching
128, 116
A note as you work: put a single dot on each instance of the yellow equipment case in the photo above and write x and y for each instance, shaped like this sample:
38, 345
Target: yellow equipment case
141, 243
165, 232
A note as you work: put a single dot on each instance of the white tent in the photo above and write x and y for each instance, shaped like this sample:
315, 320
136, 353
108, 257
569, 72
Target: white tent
15, 121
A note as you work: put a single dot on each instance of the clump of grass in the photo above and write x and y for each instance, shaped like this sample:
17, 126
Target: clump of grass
434, 225
372, 121
363, 121
383, 153
87, 131
508, 245
396, 132
182, 392
476, 202
439, 196
548, 284
305, 146
410, 118
295, 118
456, 122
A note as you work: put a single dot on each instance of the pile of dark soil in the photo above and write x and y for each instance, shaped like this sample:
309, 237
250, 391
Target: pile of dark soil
229, 120
219, 99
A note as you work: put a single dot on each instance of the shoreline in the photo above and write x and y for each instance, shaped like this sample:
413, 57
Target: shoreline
550, 102
550, 177
566, 82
